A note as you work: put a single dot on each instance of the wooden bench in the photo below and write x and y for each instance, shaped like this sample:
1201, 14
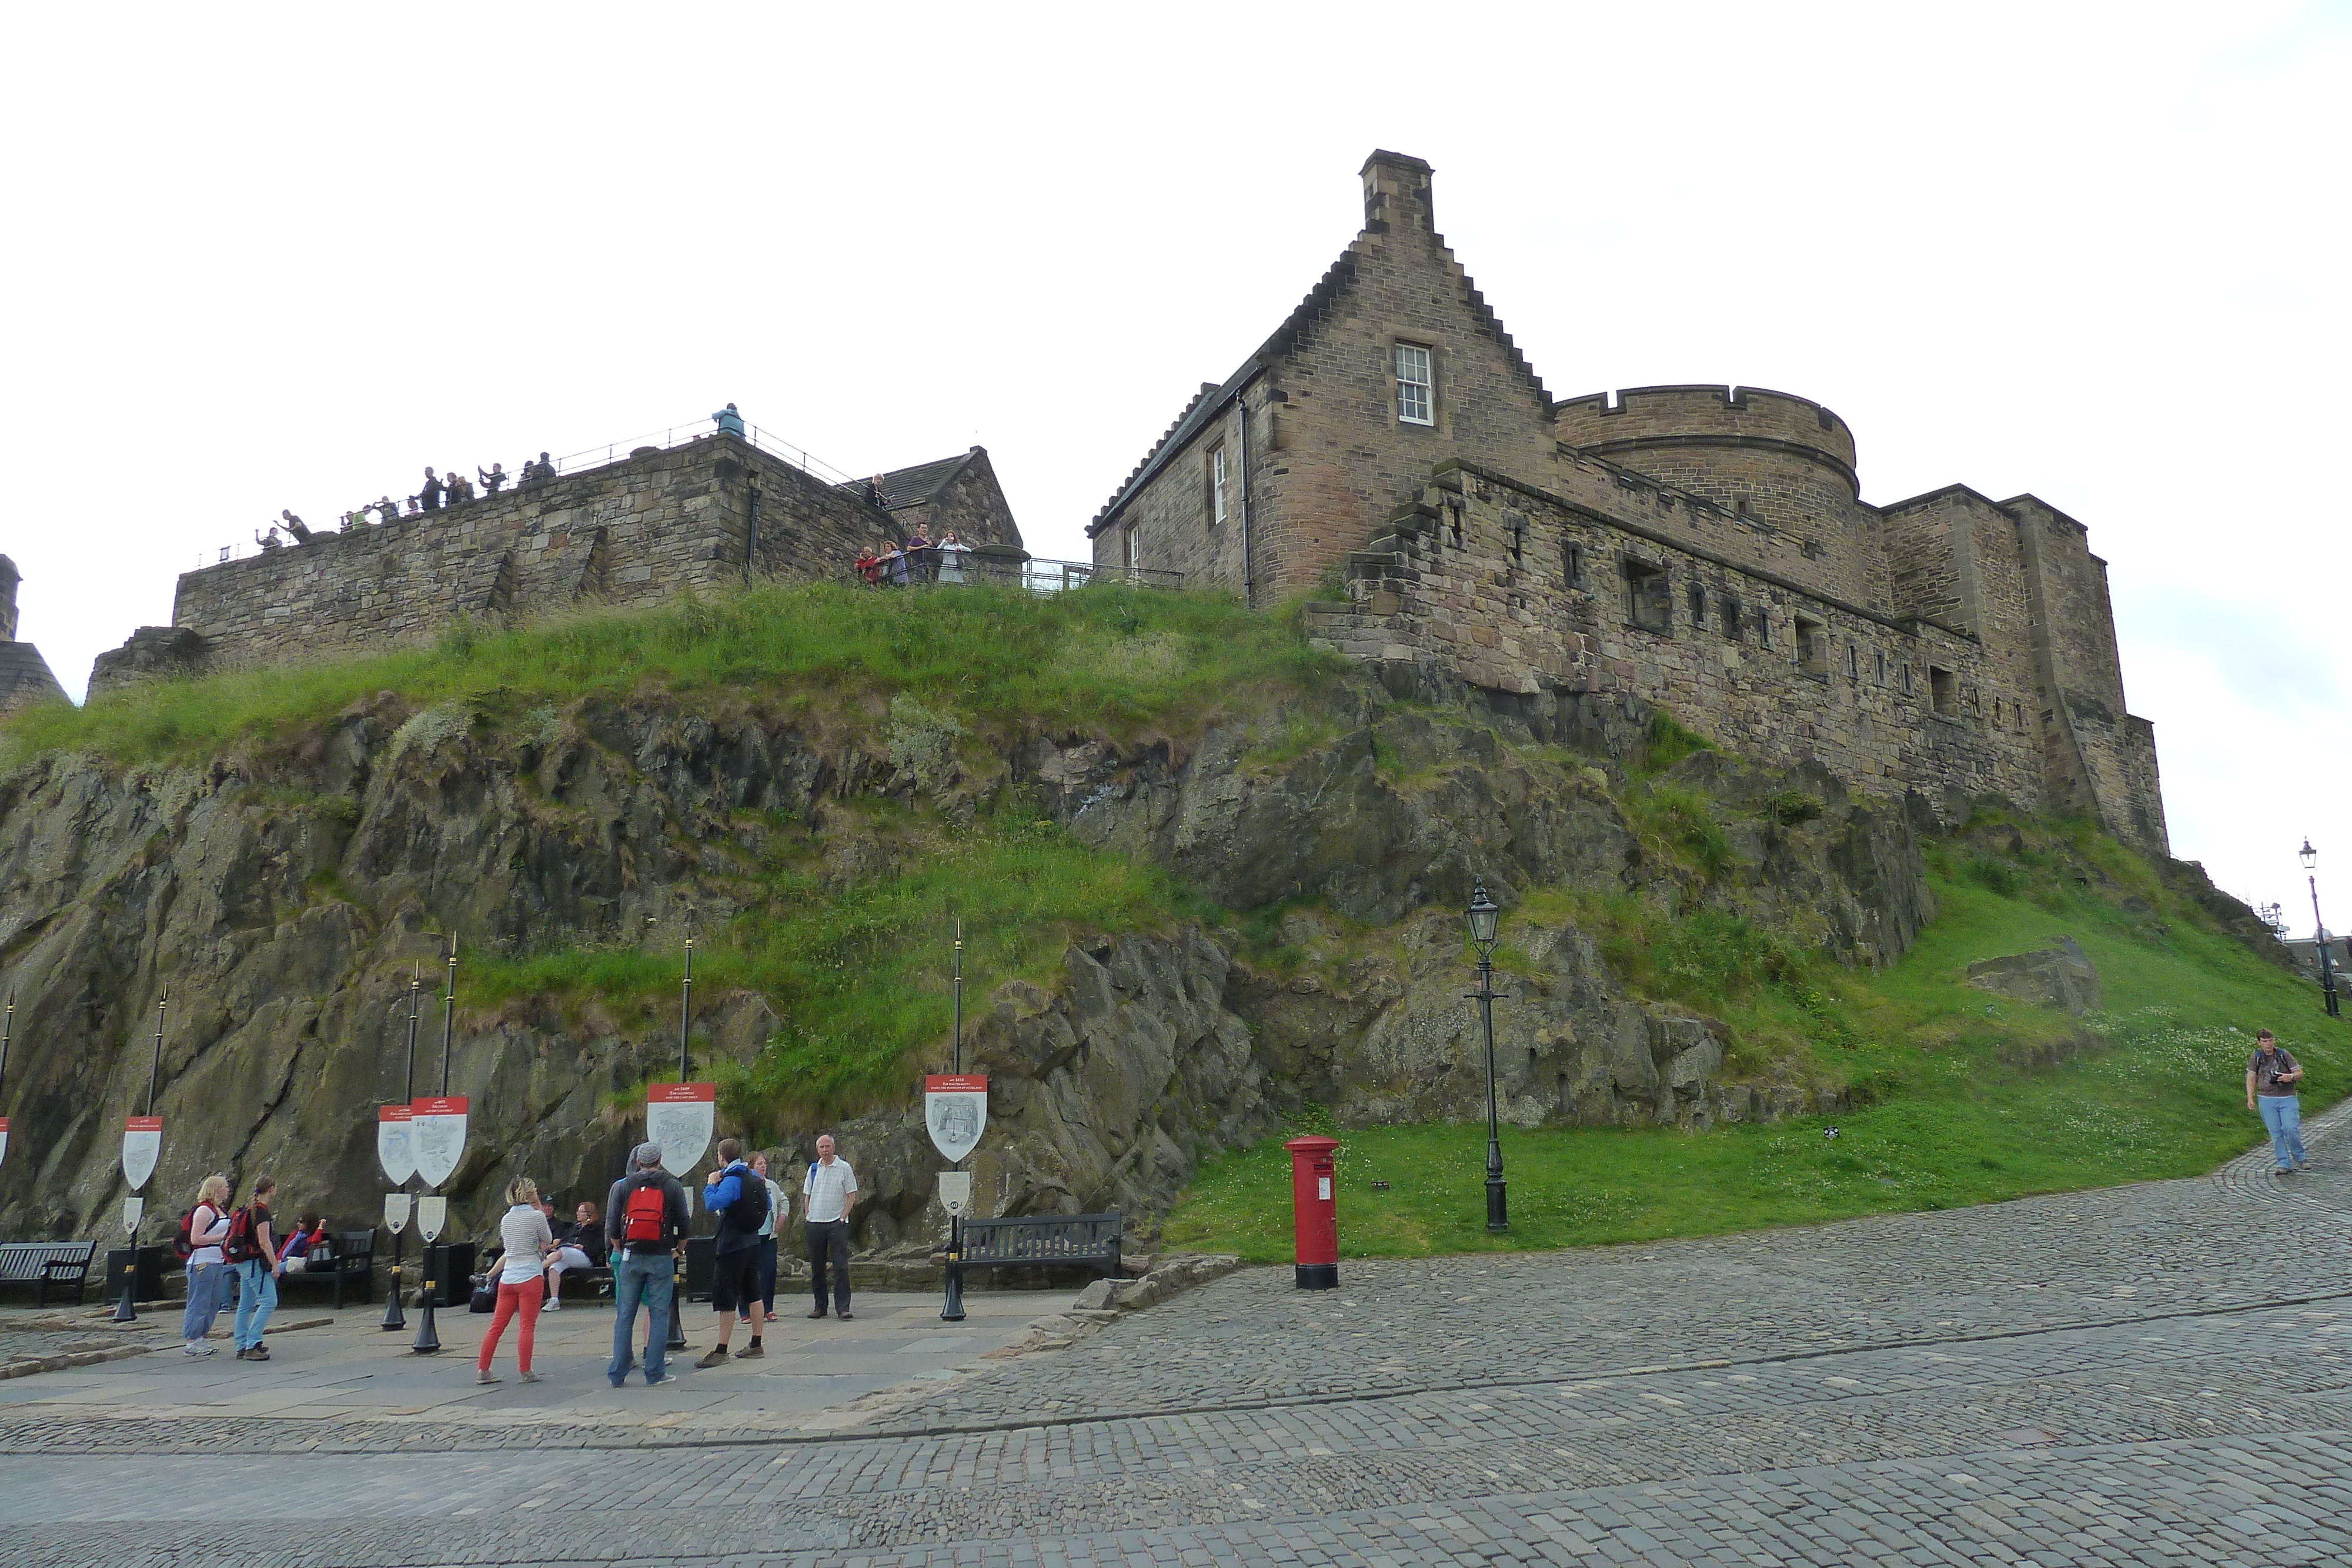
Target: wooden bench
44, 1263
1042, 1242
354, 1264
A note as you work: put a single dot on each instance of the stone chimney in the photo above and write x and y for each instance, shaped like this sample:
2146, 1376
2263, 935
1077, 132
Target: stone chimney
9, 579
1397, 194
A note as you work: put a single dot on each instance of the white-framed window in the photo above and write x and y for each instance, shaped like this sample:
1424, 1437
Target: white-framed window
1217, 485
1416, 400
1134, 549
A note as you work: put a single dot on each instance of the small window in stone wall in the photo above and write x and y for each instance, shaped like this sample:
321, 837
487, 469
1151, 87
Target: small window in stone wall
1697, 605
2017, 717
1881, 666
1134, 549
1906, 680
1217, 485
1649, 597
1730, 617
1943, 691
1812, 647
1853, 663
1572, 563
1515, 527
1416, 396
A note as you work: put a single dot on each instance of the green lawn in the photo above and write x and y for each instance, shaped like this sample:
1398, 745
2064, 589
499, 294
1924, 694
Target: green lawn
2161, 1093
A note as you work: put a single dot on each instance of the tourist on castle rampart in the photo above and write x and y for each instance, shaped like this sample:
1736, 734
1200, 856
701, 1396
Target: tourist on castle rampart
869, 562
527, 1241
534, 473
2272, 1076
951, 551
207, 1268
295, 527
893, 566
920, 564
386, 509
429, 497
495, 480
729, 421
269, 540
459, 487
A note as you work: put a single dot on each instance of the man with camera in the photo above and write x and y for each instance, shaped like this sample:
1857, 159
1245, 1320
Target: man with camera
2272, 1076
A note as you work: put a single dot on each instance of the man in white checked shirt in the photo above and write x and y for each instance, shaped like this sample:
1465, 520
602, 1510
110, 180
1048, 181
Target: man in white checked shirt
828, 1192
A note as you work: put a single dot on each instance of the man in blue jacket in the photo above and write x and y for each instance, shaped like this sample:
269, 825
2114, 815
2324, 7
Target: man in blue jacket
738, 1198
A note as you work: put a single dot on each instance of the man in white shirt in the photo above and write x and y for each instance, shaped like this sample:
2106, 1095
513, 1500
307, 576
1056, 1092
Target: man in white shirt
828, 1192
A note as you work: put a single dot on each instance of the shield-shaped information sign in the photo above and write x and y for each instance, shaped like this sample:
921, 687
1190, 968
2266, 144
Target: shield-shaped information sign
956, 1106
955, 1192
436, 1132
395, 1212
393, 1148
134, 1209
679, 1117
142, 1140
432, 1215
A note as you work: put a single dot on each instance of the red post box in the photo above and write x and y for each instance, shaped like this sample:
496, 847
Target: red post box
1315, 1210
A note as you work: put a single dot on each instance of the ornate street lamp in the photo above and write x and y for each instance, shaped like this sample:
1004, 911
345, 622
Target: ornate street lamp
1485, 916
2310, 858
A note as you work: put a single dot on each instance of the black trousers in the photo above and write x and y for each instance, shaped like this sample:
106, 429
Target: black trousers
828, 1243
767, 1278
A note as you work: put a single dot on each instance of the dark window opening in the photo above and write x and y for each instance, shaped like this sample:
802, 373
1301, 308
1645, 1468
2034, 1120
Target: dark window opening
1697, 605
1943, 691
1649, 598
1454, 521
1881, 666
1572, 558
1853, 663
1812, 647
2017, 717
1906, 680
1730, 609
1517, 526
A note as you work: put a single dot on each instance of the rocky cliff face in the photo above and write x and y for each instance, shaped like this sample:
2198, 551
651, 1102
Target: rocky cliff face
284, 899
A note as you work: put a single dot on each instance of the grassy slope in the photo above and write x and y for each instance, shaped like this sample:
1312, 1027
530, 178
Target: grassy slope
1954, 1121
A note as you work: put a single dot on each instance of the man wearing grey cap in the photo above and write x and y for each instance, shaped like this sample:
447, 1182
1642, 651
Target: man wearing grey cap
645, 1216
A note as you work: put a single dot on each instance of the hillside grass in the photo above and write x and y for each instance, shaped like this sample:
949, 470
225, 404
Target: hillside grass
1104, 657
1955, 1111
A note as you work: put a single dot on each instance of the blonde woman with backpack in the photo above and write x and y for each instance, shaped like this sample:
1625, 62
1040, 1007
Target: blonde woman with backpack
528, 1239
207, 1268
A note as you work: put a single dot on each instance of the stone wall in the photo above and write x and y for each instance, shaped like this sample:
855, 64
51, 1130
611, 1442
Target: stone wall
1514, 589
631, 532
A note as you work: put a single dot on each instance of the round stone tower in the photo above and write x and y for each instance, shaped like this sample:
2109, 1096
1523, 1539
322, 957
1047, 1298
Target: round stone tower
1785, 460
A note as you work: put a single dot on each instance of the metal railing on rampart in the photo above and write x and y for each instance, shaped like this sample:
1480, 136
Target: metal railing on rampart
580, 462
929, 569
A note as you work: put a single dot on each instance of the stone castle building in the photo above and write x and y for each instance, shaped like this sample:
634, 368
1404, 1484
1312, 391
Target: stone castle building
706, 514
25, 676
1704, 547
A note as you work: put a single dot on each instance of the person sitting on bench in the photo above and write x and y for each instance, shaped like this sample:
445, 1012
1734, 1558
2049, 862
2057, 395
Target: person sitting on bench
582, 1248
310, 1231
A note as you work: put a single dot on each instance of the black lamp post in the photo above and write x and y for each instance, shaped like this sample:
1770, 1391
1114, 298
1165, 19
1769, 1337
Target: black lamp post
2310, 858
1485, 916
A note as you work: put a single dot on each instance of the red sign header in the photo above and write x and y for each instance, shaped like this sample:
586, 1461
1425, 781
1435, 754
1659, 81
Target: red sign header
394, 1112
956, 1083
142, 1125
680, 1094
440, 1105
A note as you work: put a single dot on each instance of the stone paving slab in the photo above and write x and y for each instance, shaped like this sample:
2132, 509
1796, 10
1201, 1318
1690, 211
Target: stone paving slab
2156, 1374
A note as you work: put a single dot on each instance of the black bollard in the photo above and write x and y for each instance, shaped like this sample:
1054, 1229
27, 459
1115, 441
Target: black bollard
952, 1310
428, 1338
126, 1311
392, 1316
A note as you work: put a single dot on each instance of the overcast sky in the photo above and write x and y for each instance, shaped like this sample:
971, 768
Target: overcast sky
262, 258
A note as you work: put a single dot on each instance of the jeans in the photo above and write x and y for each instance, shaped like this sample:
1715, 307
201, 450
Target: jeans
2283, 1115
514, 1300
256, 1298
207, 1290
828, 1242
767, 1279
640, 1277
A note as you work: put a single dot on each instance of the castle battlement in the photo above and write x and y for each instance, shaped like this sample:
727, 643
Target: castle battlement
709, 513
1640, 418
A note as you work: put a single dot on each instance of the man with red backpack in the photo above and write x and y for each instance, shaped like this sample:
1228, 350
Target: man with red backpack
645, 1218
251, 1248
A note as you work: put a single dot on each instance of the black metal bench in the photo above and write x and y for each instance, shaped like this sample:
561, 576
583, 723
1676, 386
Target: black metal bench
1042, 1242
44, 1263
354, 1263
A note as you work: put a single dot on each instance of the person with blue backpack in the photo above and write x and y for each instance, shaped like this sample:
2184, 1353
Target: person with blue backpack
739, 1196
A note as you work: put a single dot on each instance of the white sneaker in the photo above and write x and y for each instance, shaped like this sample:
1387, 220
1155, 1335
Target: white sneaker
552, 1304
196, 1347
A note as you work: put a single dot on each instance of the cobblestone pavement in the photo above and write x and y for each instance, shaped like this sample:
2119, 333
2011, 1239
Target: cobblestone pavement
2159, 1374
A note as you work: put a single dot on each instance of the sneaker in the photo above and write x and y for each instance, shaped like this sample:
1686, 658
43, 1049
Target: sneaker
2302, 1165
552, 1304
845, 1317
658, 1382
716, 1356
255, 1353
485, 1377
531, 1377
749, 1350
772, 1317
196, 1347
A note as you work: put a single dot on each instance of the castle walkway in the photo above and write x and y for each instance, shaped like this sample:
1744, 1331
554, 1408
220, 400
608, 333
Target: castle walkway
2158, 1373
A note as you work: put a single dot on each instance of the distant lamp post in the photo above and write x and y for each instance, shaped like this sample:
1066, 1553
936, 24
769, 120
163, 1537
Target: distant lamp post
2310, 858
1486, 915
